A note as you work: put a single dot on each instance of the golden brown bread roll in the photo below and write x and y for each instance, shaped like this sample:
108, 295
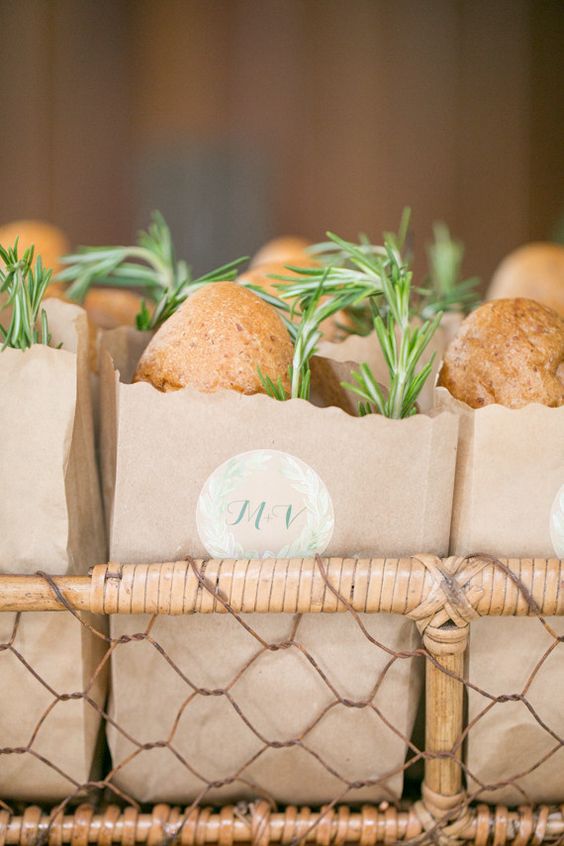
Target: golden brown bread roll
535, 271
288, 249
217, 339
109, 308
50, 242
260, 276
56, 290
507, 352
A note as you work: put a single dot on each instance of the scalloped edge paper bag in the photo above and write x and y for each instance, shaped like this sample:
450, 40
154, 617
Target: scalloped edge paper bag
509, 502
233, 476
51, 520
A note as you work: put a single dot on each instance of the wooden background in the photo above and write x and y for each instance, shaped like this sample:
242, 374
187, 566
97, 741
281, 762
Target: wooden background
241, 119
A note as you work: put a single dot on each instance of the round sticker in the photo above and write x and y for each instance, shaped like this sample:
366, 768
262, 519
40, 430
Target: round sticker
557, 523
264, 504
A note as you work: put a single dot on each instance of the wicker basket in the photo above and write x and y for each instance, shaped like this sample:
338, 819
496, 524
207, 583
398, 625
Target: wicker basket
441, 596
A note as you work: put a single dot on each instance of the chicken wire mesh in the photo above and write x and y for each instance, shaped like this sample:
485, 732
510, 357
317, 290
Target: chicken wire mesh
244, 718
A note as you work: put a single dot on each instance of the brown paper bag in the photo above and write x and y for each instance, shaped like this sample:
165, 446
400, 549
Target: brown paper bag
509, 501
226, 475
50, 520
510, 469
508, 745
281, 697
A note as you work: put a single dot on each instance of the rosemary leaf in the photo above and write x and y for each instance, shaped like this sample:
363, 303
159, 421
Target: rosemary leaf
25, 285
150, 265
276, 389
402, 343
446, 290
376, 280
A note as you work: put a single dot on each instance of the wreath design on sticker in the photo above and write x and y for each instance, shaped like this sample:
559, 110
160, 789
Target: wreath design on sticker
320, 520
215, 534
218, 537
557, 524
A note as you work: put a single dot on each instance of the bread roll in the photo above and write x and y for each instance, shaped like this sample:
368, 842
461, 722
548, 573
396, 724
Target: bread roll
109, 308
50, 242
535, 271
289, 249
260, 276
218, 339
509, 352
56, 290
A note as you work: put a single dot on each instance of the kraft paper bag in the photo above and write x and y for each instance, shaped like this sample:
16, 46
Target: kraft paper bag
281, 697
508, 745
50, 520
509, 502
509, 480
231, 476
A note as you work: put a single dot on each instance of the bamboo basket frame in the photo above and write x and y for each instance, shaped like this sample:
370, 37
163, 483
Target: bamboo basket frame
442, 596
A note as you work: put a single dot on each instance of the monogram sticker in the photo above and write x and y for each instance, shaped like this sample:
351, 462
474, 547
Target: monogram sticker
557, 523
264, 504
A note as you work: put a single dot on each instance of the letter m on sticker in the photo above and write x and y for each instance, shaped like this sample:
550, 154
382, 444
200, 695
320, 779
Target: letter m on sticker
246, 512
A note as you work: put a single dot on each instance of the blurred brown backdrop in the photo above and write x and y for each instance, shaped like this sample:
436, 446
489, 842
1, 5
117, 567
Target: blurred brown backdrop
241, 119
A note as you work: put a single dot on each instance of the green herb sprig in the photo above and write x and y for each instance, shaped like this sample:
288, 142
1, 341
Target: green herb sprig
348, 269
150, 266
25, 284
402, 343
306, 334
377, 279
445, 288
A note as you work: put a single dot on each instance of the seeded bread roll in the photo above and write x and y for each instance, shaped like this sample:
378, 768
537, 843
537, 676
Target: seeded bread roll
289, 249
218, 339
509, 352
535, 271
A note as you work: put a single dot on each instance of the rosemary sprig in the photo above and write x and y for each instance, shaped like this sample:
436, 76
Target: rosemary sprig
169, 299
359, 321
150, 265
445, 289
25, 284
302, 287
276, 390
402, 344
347, 268
328, 252
377, 280
306, 334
